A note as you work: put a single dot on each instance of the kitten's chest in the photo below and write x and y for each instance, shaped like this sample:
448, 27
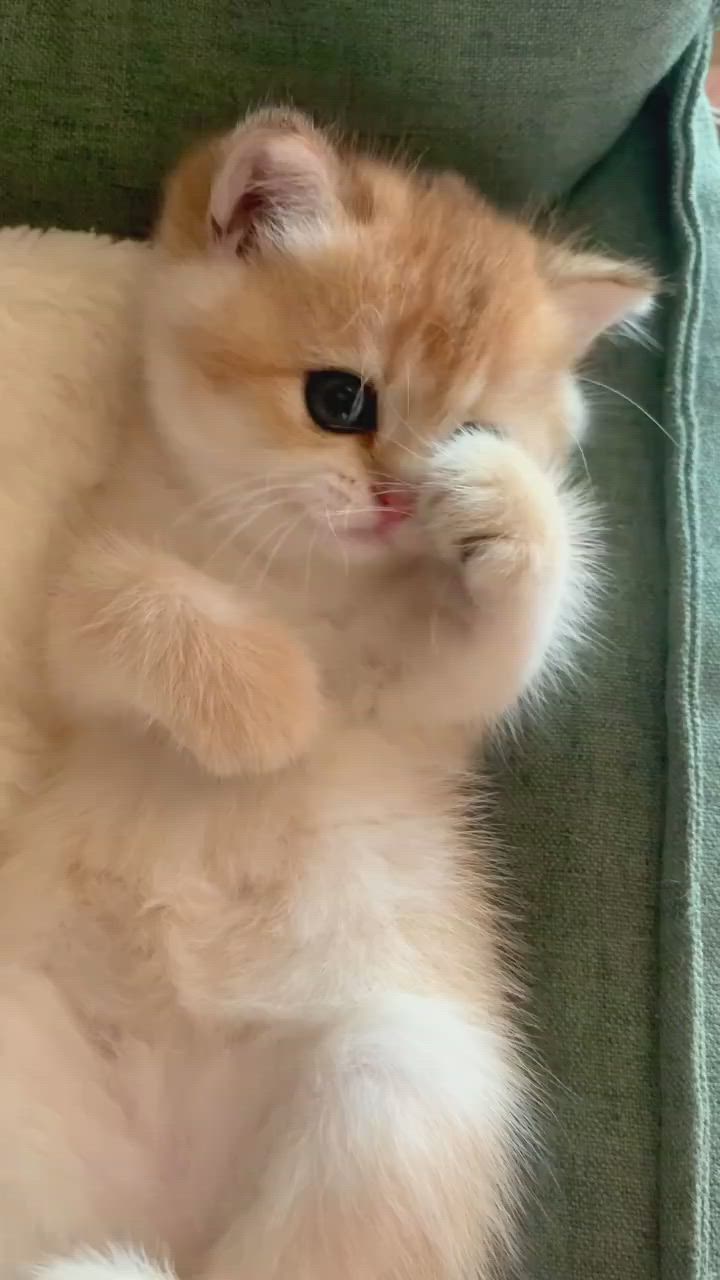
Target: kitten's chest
359, 644
357, 662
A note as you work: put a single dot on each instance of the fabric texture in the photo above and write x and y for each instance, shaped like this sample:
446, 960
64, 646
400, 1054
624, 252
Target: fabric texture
583, 797
609, 804
690, 901
97, 96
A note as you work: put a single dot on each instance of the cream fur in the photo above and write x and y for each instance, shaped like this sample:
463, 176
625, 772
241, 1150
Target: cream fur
65, 333
254, 1018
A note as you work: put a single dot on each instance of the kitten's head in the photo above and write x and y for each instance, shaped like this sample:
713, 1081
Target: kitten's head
321, 320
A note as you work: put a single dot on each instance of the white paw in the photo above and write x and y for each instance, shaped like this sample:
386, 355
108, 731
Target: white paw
490, 507
115, 1264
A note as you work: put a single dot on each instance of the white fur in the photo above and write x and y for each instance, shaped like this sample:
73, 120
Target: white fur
116, 1264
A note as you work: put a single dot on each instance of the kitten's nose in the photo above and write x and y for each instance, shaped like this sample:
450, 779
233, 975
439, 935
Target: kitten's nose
399, 499
399, 502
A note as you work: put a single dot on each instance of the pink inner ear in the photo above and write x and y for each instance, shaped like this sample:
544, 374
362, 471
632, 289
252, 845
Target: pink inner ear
594, 305
248, 210
269, 181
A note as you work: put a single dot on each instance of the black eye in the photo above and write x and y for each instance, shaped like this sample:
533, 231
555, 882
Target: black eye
340, 401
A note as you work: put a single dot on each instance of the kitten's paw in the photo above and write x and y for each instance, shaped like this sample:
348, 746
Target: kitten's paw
492, 509
257, 706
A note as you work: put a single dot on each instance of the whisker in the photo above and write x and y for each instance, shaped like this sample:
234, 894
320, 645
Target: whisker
355, 511
409, 427
238, 490
308, 557
397, 444
246, 484
254, 551
232, 511
336, 536
392, 487
240, 528
581, 451
614, 391
288, 529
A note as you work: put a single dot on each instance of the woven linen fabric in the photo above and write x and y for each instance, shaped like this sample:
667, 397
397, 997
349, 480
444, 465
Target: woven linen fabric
583, 795
97, 96
690, 873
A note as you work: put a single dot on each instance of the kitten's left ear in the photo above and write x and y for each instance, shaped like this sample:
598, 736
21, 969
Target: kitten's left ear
275, 183
598, 293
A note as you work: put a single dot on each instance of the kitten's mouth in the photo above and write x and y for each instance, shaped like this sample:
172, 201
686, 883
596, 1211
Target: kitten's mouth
393, 505
392, 508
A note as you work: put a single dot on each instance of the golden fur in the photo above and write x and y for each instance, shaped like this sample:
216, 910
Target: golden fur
255, 1018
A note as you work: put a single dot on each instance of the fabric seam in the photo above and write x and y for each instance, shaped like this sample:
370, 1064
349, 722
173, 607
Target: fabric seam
683, 658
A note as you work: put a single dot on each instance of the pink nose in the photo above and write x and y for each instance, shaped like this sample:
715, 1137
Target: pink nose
399, 501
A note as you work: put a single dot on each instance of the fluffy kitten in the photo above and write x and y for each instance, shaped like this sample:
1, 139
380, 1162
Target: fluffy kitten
254, 1020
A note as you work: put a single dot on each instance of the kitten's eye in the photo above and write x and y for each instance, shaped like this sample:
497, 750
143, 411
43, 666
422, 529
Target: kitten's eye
340, 401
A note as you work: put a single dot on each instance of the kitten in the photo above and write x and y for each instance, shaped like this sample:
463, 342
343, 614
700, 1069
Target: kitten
255, 1020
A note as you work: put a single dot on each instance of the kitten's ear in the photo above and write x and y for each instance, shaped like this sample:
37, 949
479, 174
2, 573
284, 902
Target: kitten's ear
598, 293
275, 182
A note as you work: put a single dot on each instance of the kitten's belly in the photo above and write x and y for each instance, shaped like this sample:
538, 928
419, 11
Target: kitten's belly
278, 897
301, 905
281, 897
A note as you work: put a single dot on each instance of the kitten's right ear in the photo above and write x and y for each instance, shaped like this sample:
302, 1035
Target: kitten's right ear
275, 183
272, 180
597, 293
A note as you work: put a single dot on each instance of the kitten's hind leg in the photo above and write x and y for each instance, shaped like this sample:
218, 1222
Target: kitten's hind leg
116, 1264
393, 1160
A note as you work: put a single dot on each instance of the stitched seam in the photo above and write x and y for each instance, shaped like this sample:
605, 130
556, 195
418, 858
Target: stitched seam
686, 570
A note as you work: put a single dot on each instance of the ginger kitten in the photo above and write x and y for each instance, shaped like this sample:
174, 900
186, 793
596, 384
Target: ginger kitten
255, 1021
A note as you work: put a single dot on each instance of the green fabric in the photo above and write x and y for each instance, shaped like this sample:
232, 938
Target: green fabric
610, 805
96, 96
584, 808
690, 918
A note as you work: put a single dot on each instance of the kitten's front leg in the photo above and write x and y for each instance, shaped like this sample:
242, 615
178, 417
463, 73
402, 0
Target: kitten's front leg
506, 533
134, 631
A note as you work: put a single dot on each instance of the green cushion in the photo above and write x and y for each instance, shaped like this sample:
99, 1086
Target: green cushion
584, 809
97, 97
610, 807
